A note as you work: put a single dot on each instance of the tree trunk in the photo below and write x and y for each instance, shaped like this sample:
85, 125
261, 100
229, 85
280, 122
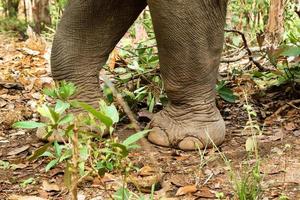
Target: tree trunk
275, 28
41, 14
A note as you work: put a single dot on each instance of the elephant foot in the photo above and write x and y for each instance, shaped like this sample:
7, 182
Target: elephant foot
187, 129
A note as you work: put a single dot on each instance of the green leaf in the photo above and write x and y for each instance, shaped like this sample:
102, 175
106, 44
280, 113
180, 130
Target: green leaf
66, 154
61, 106
26, 182
151, 106
84, 153
122, 194
57, 149
66, 119
125, 77
40, 151
81, 167
49, 113
123, 148
225, 93
133, 146
4, 164
48, 154
110, 111
99, 115
50, 92
28, 124
291, 51
51, 164
109, 166
135, 137
66, 90
251, 144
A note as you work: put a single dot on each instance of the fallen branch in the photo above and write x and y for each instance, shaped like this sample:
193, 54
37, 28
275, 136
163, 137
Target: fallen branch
286, 105
246, 47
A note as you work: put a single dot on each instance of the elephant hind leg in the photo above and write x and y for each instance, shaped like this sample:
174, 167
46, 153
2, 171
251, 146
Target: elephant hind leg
190, 40
87, 33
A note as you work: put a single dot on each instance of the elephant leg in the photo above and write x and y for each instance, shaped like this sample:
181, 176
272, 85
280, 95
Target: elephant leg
87, 33
190, 37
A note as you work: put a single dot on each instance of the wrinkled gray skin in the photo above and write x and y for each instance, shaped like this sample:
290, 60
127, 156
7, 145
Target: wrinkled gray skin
189, 36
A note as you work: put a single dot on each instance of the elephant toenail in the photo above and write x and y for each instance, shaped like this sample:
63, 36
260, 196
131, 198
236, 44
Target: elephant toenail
158, 137
190, 143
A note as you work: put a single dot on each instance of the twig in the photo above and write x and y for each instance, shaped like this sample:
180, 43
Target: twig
246, 47
233, 59
131, 116
285, 106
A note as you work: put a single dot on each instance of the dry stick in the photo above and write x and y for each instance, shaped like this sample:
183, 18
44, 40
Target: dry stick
282, 108
257, 64
123, 104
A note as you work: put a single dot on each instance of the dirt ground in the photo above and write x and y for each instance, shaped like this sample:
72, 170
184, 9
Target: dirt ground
24, 71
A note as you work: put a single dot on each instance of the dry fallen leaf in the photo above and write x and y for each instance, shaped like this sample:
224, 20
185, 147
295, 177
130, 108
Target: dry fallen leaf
146, 171
16, 151
293, 173
296, 133
18, 197
50, 186
206, 193
186, 190
290, 126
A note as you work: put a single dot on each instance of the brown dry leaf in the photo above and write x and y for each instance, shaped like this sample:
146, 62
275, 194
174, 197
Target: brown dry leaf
186, 190
11, 85
278, 135
20, 166
296, 133
16, 151
293, 173
290, 126
3, 102
112, 60
180, 180
146, 171
50, 187
205, 192
18, 197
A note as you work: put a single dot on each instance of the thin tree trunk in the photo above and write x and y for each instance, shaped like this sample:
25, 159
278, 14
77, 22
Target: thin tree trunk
41, 14
275, 26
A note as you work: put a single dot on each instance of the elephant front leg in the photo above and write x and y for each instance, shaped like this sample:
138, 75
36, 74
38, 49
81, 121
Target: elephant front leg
87, 33
190, 40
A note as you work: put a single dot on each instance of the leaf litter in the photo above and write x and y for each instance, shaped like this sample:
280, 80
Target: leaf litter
24, 71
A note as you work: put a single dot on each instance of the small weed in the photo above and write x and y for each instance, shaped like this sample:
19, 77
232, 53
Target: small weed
27, 182
4, 164
283, 197
82, 151
220, 195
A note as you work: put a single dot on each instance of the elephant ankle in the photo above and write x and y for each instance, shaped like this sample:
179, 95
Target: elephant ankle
187, 132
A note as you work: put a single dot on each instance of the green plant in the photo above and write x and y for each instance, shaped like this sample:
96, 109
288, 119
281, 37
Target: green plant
224, 92
283, 197
83, 151
4, 164
287, 68
27, 182
246, 181
12, 25
220, 195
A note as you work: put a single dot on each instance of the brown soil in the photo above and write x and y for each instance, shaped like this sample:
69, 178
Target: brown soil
22, 76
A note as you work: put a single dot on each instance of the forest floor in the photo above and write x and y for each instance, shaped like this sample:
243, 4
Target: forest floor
24, 71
